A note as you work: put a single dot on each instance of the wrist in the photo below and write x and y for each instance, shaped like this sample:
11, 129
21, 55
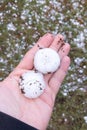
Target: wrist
7, 103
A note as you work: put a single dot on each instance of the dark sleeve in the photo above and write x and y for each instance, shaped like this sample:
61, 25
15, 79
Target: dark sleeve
10, 123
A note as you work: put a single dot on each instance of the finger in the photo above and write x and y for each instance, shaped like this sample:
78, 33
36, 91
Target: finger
63, 51
27, 61
57, 43
16, 73
58, 77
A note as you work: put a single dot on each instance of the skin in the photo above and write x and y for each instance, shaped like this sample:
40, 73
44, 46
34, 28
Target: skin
35, 112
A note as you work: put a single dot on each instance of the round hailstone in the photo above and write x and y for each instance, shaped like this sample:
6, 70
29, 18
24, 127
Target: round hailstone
46, 60
32, 84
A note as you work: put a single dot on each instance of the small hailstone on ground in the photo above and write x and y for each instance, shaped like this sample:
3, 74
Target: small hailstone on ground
32, 84
46, 60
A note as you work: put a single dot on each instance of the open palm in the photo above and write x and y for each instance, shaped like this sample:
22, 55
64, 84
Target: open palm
35, 112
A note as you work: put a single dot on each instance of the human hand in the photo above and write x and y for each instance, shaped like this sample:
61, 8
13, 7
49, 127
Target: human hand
35, 112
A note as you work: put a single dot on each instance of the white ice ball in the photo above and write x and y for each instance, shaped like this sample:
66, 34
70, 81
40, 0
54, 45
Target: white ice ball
46, 60
32, 84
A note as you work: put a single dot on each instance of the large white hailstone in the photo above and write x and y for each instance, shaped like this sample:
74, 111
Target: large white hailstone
46, 60
32, 84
